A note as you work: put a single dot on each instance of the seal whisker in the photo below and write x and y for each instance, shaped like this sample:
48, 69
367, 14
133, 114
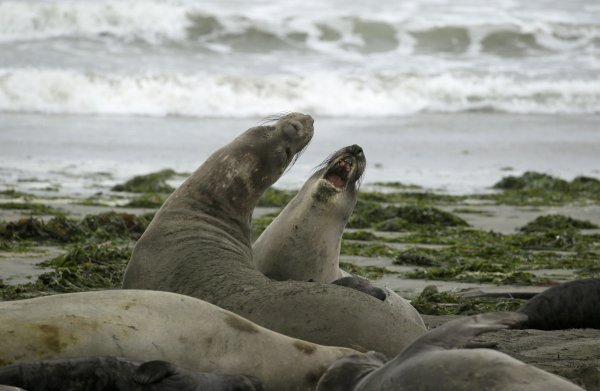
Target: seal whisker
272, 118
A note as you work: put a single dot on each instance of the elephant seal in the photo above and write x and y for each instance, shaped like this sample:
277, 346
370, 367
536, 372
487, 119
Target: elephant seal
573, 304
199, 244
151, 325
303, 241
438, 361
118, 374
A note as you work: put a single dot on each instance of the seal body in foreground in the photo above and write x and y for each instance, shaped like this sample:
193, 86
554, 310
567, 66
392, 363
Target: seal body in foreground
118, 374
574, 304
199, 244
303, 241
151, 325
437, 361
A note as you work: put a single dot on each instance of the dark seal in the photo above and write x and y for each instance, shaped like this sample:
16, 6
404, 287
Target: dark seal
574, 304
118, 374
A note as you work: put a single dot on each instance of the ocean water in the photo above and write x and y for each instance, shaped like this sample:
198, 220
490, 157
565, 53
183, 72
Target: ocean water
215, 58
448, 94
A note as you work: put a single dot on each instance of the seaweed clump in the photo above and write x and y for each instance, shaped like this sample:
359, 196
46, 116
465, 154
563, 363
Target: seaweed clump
534, 188
397, 218
83, 267
33, 207
556, 222
105, 226
275, 198
155, 182
432, 302
153, 188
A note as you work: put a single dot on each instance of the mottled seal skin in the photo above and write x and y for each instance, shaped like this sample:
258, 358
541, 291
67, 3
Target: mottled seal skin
199, 244
437, 361
574, 304
303, 241
118, 374
152, 325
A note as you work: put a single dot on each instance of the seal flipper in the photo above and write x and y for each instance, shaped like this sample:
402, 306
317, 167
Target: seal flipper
153, 372
459, 332
363, 285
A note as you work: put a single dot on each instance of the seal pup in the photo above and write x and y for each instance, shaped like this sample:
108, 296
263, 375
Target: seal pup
574, 304
303, 242
118, 374
436, 361
199, 244
152, 325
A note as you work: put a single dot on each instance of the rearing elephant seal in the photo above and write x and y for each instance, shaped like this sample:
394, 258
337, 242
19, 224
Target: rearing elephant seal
199, 244
303, 242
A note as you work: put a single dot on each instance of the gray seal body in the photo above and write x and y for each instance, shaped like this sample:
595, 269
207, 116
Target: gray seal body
199, 244
438, 361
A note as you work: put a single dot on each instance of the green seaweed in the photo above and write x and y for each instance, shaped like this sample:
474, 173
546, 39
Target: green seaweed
148, 200
83, 267
407, 197
370, 272
261, 223
155, 182
533, 188
32, 207
275, 198
432, 302
369, 214
367, 249
397, 185
12, 193
105, 226
360, 235
556, 222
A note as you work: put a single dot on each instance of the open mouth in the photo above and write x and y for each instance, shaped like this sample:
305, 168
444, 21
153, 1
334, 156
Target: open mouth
340, 172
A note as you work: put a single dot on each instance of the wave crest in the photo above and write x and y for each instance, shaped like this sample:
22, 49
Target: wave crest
324, 93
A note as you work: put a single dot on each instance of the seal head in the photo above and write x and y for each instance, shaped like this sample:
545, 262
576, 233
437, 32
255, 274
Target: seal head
303, 242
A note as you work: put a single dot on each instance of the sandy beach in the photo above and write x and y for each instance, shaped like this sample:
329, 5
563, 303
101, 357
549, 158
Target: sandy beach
479, 123
569, 353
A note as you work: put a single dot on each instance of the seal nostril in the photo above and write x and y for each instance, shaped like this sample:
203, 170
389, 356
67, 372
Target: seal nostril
356, 149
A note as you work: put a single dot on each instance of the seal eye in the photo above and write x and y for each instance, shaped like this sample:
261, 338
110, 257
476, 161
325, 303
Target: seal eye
292, 128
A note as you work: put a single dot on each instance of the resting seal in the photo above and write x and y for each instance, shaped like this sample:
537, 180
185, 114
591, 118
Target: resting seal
150, 325
574, 304
118, 374
199, 244
436, 361
303, 242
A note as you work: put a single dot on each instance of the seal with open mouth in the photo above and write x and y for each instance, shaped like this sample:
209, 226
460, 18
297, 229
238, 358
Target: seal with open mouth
303, 242
199, 244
